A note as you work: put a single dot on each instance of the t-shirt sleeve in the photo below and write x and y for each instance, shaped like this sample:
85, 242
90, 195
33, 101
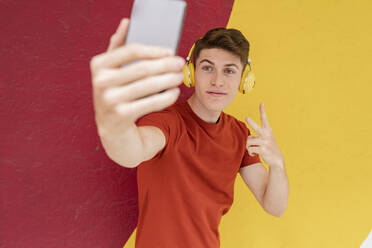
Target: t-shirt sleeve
247, 159
164, 120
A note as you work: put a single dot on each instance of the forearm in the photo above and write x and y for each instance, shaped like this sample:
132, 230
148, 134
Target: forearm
125, 148
276, 193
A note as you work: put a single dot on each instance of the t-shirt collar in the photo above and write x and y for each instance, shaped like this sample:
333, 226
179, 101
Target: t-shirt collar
201, 121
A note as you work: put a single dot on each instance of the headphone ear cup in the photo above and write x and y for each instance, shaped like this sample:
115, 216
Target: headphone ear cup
250, 81
188, 74
185, 71
247, 81
192, 74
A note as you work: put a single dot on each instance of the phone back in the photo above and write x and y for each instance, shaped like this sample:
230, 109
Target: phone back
156, 22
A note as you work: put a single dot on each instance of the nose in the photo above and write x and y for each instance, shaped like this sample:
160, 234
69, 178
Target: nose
217, 80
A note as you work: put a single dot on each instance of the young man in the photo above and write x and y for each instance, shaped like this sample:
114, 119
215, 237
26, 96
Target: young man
189, 153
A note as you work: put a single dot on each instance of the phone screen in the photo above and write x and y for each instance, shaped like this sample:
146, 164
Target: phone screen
156, 23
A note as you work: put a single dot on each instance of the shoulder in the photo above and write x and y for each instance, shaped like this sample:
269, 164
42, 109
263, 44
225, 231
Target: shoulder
236, 125
167, 115
167, 120
232, 121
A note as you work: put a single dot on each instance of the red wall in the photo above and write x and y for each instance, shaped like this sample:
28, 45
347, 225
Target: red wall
57, 186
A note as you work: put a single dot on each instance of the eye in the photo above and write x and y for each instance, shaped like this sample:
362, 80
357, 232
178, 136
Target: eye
206, 68
229, 71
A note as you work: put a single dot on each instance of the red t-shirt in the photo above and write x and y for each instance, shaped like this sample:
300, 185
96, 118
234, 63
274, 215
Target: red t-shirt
184, 190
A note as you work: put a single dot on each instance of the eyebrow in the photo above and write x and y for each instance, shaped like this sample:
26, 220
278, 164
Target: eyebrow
210, 62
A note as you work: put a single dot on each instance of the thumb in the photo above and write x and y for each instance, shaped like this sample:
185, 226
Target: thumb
118, 38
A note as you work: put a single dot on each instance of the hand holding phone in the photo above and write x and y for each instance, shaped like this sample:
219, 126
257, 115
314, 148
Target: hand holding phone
123, 94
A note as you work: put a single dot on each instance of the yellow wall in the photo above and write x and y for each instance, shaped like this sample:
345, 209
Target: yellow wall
311, 60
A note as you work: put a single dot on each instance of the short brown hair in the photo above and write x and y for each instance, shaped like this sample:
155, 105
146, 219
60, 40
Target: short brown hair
229, 39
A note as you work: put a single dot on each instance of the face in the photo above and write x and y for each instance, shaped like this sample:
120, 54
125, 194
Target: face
217, 78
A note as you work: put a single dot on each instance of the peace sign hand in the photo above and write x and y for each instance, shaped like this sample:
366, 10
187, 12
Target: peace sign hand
264, 144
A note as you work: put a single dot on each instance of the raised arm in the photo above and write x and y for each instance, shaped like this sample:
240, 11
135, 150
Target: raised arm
123, 94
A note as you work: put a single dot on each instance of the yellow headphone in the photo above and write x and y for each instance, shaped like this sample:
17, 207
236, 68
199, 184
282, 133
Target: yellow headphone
246, 83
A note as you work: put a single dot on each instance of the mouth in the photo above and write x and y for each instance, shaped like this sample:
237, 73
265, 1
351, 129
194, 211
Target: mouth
216, 93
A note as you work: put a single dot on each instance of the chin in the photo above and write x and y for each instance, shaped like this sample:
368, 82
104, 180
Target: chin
215, 106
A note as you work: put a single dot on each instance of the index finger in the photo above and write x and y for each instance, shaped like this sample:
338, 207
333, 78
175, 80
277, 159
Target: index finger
128, 53
264, 120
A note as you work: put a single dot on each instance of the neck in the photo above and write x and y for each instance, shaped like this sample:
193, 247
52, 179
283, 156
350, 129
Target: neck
202, 112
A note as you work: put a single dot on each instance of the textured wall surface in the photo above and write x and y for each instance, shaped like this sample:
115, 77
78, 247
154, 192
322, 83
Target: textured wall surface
57, 186
312, 61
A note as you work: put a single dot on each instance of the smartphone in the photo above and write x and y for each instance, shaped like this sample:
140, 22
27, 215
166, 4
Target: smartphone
156, 23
